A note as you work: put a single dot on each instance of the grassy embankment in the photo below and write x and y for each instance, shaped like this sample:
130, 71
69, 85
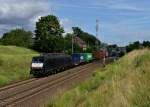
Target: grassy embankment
125, 83
14, 64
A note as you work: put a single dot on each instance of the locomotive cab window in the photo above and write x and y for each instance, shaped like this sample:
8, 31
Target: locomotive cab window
37, 60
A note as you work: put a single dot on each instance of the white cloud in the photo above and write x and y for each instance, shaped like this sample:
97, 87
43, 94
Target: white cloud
125, 31
67, 24
11, 9
35, 19
125, 7
119, 5
21, 13
21, 9
106, 4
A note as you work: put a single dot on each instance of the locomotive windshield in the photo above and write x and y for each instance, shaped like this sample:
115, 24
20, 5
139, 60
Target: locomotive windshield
37, 60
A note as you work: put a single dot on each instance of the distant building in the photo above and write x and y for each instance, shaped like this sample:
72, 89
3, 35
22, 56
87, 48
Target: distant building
80, 42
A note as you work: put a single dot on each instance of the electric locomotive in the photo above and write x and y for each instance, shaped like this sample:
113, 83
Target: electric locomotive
47, 64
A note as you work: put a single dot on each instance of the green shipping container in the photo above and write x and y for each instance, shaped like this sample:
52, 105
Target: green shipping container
87, 57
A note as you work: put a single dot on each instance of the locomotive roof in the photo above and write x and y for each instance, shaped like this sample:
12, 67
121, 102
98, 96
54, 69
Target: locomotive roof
51, 56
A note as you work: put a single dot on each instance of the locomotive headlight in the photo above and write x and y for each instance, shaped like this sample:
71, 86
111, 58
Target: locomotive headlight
39, 65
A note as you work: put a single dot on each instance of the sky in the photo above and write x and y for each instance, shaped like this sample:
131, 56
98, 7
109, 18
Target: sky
120, 21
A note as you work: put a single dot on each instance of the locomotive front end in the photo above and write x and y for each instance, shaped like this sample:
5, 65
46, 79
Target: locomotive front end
37, 65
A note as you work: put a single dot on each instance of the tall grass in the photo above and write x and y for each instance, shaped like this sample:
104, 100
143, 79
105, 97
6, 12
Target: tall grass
125, 83
14, 64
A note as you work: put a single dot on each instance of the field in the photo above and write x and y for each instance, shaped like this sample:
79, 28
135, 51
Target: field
14, 64
124, 83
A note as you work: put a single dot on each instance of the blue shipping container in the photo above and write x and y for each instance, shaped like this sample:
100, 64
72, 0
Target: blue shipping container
77, 58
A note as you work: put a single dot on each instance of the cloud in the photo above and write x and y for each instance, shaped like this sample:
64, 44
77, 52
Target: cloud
125, 7
6, 27
67, 24
124, 31
118, 5
20, 13
105, 4
65, 21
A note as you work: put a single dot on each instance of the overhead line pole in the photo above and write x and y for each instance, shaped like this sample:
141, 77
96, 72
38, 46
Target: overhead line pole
97, 30
72, 44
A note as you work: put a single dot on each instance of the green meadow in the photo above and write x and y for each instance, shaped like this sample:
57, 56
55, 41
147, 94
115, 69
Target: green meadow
14, 64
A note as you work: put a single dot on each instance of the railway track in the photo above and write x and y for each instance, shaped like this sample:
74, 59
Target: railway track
27, 82
21, 91
17, 84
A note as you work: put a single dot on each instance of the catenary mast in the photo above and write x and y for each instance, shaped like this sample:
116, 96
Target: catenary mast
97, 30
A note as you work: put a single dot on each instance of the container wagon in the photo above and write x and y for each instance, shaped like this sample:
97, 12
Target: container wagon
100, 54
87, 57
77, 58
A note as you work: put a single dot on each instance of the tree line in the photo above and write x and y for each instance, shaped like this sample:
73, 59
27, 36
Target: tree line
49, 37
137, 45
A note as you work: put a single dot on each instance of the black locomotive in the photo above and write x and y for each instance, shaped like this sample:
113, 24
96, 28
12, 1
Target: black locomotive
47, 64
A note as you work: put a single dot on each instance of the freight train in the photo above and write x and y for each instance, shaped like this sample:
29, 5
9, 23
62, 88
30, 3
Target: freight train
51, 63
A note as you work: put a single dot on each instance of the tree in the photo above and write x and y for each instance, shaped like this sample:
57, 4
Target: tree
18, 37
0, 41
77, 30
146, 44
68, 43
133, 46
48, 35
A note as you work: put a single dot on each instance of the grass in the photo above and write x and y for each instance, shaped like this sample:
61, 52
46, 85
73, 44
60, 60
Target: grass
14, 64
124, 83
